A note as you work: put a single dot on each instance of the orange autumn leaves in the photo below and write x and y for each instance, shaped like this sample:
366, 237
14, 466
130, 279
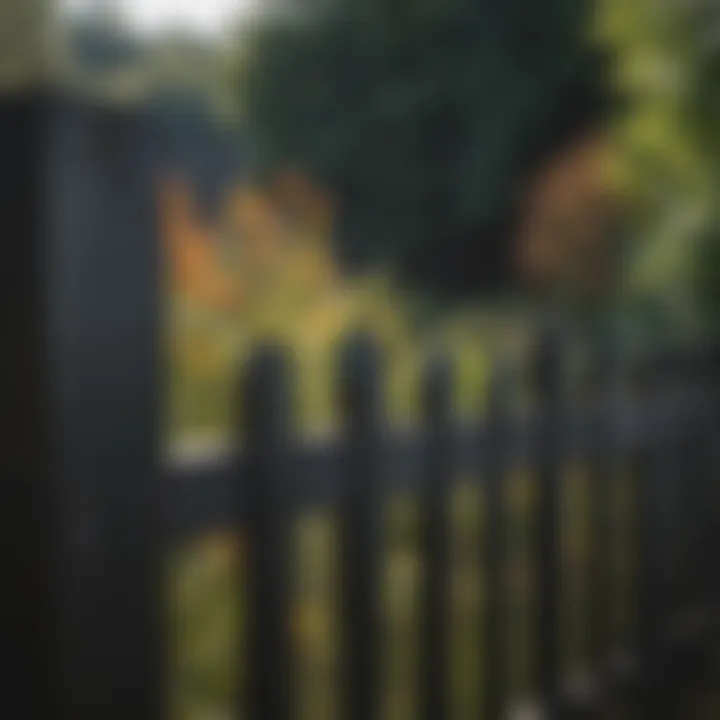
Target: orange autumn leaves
260, 232
264, 268
261, 268
269, 249
194, 265
564, 236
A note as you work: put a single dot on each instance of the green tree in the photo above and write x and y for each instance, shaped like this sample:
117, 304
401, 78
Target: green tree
424, 119
668, 61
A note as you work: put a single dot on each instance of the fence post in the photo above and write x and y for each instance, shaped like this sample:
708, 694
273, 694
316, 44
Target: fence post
361, 527
547, 370
30, 527
435, 675
82, 394
266, 416
497, 440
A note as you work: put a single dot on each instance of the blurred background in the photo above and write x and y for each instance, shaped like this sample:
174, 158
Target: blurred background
434, 171
410, 163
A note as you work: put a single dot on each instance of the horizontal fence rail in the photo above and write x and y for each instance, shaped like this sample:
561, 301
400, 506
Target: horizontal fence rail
201, 484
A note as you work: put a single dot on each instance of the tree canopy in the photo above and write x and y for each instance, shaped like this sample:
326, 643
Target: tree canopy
667, 60
424, 120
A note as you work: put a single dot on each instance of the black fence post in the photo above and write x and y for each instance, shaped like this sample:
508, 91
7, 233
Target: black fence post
548, 376
31, 529
30, 526
266, 419
82, 395
435, 658
495, 466
361, 528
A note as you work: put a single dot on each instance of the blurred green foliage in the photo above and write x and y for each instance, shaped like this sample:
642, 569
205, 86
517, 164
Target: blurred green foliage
667, 59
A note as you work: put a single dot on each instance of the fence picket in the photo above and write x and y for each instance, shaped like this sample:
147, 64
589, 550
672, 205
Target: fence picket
547, 376
434, 678
495, 467
264, 487
653, 465
360, 395
604, 462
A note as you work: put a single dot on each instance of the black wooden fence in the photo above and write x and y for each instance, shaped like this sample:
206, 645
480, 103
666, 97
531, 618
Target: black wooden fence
91, 510
662, 427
